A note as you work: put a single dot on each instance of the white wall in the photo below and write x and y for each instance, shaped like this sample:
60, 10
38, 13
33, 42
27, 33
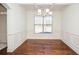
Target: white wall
21, 22
56, 27
16, 26
70, 26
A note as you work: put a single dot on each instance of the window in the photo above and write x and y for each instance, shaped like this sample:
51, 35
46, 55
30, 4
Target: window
43, 24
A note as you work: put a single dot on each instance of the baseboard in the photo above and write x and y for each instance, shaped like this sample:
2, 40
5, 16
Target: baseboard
71, 46
43, 39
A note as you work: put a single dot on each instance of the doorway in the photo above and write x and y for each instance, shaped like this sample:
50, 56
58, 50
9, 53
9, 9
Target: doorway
3, 30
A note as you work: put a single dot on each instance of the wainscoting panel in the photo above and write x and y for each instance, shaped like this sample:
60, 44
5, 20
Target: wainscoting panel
15, 40
72, 40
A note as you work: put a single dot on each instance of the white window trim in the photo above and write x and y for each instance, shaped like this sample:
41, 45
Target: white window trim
43, 26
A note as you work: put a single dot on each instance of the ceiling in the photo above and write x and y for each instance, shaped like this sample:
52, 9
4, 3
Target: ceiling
44, 6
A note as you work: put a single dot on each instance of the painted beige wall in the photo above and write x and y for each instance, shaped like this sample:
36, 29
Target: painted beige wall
56, 26
3, 25
3, 29
70, 26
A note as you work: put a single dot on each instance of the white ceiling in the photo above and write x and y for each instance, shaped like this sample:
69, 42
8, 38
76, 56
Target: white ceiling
44, 6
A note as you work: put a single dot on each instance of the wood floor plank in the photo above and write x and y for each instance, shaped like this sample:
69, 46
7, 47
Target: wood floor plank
43, 47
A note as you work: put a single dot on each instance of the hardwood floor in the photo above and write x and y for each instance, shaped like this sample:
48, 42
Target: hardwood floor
43, 47
3, 51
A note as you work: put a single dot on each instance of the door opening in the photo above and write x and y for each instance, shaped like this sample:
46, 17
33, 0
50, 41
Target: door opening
3, 30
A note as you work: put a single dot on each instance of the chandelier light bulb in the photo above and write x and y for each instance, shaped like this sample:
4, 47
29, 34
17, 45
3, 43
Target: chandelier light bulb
47, 10
39, 10
50, 13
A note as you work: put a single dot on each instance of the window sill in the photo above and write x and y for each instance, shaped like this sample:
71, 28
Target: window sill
44, 33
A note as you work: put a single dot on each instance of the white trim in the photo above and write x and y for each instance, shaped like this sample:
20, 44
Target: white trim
71, 46
5, 5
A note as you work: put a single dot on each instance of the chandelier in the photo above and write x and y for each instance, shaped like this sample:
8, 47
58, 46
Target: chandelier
44, 12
